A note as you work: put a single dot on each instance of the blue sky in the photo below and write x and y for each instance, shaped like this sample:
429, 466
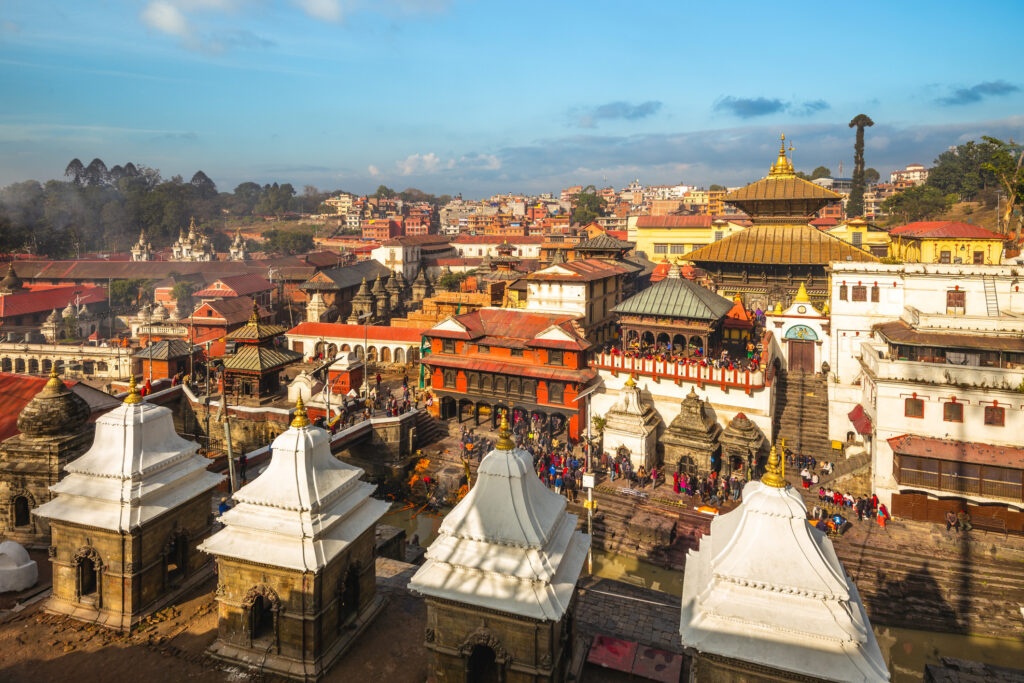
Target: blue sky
480, 97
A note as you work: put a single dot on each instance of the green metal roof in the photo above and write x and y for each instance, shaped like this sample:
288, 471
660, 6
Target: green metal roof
604, 242
259, 359
676, 298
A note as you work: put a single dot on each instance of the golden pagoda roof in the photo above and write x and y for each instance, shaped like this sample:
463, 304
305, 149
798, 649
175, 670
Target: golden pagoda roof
770, 244
781, 183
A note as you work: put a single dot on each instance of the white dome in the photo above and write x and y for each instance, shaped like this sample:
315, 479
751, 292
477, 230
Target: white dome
160, 312
17, 570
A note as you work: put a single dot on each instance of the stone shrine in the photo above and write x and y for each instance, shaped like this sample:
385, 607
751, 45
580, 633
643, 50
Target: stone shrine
691, 441
295, 559
631, 426
127, 517
500, 579
55, 429
743, 446
766, 599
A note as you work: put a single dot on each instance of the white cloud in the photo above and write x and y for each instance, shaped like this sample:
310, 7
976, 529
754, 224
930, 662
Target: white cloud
374, 171
328, 10
423, 163
486, 162
166, 18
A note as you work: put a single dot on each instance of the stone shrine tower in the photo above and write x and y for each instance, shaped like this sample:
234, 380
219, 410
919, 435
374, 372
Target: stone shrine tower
362, 305
691, 440
142, 251
295, 559
766, 599
500, 579
632, 425
127, 517
54, 429
237, 251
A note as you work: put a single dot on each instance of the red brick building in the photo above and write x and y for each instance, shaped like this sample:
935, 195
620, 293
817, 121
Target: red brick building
533, 364
250, 285
381, 229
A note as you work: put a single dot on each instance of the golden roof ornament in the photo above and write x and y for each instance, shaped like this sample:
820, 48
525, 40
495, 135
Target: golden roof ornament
783, 167
630, 382
505, 442
801, 295
778, 308
301, 418
254, 319
53, 385
773, 472
133, 396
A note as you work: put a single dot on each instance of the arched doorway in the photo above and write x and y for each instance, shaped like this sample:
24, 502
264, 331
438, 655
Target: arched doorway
482, 666
88, 568
348, 608
399, 355
385, 354
5, 365
262, 606
22, 516
19, 365
175, 559
33, 366
261, 618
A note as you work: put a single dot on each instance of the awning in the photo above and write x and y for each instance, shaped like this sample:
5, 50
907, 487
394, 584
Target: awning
958, 451
861, 422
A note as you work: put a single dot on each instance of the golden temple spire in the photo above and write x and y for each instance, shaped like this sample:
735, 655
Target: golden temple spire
505, 442
783, 167
133, 392
773, 472
630, 382
53, 385
801, 295
301, 418
254, 319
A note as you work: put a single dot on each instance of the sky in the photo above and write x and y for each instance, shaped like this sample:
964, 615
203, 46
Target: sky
481, 96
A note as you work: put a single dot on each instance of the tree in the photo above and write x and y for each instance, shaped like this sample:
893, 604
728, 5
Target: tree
917, 204
961, 171
384, 192
587, 206
95, 173
452, 281
871, 177
855, 206
821, 172
717, 188
1008, 173
75, 170
288, 242
128, 292
206, 187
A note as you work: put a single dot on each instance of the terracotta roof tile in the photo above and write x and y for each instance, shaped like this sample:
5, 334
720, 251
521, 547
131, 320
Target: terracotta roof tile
958, 451
372, 332
945, 230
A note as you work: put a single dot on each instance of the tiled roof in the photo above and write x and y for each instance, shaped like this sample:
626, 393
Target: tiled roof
45, 300
509, 325
322, 259
520, 369
900, 332
945, 230
958, 451
259, 359
241, 285
772, 188
17, 390
604, 242
232, 311
290, 267
583, 270
166, 349
676, 298
372, 332
256, 331
779, 245
495, 239
348, 276
860, 420
673, 222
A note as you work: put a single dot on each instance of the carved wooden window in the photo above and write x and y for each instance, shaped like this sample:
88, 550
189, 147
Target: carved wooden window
448, 346
842, 293
953, 412
995, 416
556, 392
875, 294
913, 407
859, 293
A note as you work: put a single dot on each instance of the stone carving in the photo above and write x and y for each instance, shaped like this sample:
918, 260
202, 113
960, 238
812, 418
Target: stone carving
691, 440
429, 635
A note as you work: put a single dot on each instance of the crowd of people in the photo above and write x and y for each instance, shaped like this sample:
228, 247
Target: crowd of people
695, 356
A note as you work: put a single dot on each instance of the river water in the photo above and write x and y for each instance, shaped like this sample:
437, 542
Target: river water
906, 651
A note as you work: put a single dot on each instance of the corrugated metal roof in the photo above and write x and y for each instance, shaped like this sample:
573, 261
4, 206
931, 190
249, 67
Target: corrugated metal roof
166, 349
348, 276
372, 332
958, 451
771, 188
44, 300
604, 242
259, 359
779, 245
899, 332
676, 298
508, 368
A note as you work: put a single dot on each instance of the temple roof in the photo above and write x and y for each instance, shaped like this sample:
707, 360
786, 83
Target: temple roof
779, 245
604, 242
254, 330
303, 510
766, 587
55, 410
509, 545
259, 359
167, 349
676, 297
773, 188
137, 469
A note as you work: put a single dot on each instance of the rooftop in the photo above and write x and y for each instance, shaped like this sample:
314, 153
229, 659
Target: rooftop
676, 297
779, 245
945, 230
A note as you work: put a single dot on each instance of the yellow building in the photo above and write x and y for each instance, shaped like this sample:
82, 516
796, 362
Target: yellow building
860, 233
671, 237
945, 242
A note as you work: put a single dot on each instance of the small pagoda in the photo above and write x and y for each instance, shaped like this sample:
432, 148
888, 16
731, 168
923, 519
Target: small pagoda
631, 427
691, 440
253, 370
744, 447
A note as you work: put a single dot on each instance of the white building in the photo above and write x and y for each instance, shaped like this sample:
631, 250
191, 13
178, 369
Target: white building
929, 361
913, 173
404, 254
587, 288
192, 246
766, 593
478, 246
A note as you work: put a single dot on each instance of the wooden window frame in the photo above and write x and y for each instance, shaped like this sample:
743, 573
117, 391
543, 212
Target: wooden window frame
913, 401
991, 412
949, 415
858, 293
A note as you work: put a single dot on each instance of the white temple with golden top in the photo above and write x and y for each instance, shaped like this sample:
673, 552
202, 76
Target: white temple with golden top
765, 594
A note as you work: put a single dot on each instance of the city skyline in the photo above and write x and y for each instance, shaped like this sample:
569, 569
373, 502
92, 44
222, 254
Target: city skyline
482, 98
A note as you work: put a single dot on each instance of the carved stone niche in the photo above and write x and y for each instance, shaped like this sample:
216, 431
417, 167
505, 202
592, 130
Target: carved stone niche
691, 440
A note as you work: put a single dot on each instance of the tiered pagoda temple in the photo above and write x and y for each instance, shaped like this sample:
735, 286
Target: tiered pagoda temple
253, 370
766, 263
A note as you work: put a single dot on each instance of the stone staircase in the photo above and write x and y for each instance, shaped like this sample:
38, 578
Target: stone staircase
802, 413
429, 429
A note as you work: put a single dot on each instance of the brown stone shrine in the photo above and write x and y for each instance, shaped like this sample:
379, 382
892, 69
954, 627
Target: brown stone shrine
127, 517
691, 440
55, 429
500, 579
295, 560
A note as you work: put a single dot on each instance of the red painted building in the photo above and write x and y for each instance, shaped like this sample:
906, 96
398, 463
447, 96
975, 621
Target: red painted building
381, 229
532, 364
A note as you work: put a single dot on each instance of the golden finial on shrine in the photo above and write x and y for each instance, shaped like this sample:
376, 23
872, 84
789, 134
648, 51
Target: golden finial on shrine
53, 385
630, 382
773, 472
133, 392
505, 442
301, 418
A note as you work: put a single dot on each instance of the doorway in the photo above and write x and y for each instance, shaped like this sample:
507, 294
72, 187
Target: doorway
482, 666
801, 356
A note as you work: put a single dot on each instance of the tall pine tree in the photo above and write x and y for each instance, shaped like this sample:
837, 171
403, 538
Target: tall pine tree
855, 206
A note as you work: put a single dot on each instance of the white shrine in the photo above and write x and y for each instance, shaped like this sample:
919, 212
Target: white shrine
296, 559
500, 578
192, 246
127, 517
631, 425
766, 598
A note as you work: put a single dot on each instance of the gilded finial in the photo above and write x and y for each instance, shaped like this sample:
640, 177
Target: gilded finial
778, 308
505, 442
801, 295
630, 382
133, 392
783, 167
53, 385
255, 317
301, 418
773, 472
